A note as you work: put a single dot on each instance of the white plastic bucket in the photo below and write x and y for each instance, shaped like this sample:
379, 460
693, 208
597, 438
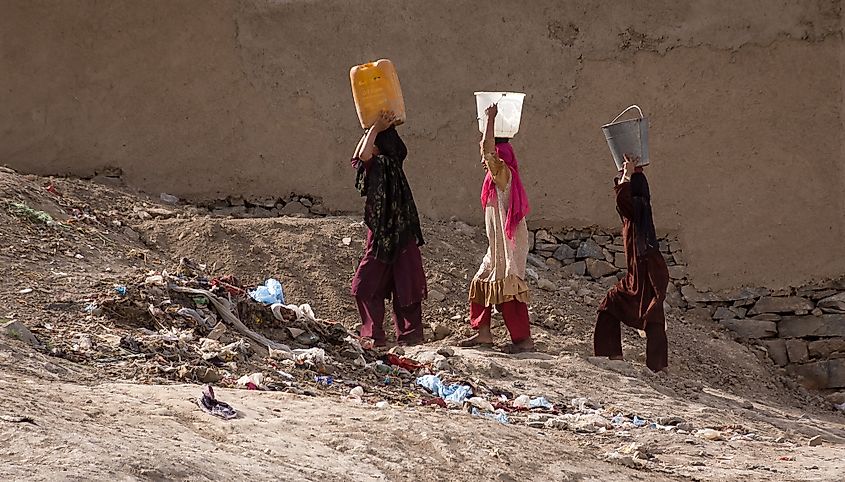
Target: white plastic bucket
627, 137
510, 111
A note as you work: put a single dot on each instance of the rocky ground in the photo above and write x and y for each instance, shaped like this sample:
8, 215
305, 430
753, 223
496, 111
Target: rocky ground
118, 354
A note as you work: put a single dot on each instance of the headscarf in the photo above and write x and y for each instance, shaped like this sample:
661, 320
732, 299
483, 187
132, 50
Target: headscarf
389, 211
518, 207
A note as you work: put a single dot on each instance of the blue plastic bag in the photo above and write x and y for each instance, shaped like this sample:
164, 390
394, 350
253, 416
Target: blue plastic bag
454, 393
269, 293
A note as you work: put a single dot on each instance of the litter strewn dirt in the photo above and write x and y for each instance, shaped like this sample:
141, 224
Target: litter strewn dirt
95, 273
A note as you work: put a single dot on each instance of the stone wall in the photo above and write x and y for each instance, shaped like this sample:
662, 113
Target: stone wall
801, 329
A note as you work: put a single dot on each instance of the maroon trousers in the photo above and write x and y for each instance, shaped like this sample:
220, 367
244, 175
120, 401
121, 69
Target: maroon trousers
607, 340
403, 280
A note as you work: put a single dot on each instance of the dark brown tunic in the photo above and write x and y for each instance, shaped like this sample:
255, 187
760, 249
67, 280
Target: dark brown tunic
637, 299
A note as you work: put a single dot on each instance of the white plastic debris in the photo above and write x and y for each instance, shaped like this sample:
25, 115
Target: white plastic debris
356, 392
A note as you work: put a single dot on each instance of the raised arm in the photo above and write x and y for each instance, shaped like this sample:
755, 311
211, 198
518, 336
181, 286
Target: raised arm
384, 121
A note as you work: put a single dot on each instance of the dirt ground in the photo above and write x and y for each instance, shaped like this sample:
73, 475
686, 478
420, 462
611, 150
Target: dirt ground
71, 410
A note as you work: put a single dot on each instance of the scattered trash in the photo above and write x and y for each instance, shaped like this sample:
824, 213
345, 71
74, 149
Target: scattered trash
709, 434
454, 394
639, 422
481, 404
347, 241
252, 382
541, 402
499, 415
356, 392
840, 407
402, 362
26, 291
383, 405
434, 401
120, 290
522, 401
324, 379
34, 215
212, 406
269, 293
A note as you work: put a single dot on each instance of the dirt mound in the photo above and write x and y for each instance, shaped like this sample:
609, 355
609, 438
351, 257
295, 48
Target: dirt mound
117, 286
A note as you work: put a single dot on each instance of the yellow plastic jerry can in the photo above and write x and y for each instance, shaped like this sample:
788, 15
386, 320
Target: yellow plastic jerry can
375, 87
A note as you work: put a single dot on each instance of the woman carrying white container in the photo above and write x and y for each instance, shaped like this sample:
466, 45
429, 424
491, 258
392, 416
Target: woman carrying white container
500, 280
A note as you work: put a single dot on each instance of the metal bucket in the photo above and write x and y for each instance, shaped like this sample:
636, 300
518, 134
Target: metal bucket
627, 137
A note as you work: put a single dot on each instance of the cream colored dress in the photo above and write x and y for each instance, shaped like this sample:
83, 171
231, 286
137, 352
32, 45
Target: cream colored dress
501, 277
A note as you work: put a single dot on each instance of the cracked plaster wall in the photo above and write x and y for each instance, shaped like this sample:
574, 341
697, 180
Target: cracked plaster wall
208, 98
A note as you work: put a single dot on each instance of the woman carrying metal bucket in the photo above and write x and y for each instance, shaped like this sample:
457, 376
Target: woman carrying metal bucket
637, 299
500, 281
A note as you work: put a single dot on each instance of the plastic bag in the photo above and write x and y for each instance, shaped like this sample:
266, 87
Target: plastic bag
270, 292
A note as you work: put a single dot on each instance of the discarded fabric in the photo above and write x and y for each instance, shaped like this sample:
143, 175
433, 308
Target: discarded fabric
541, 402
454, 394
252, 382
120, 290
268, 293
481, 404
638, 422
212, 406
403, 362
522, 401
499, 415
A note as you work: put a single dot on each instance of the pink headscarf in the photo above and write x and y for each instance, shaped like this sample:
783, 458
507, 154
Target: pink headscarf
518, 207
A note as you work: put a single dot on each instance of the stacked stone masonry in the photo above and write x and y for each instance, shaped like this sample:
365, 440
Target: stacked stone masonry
801, 329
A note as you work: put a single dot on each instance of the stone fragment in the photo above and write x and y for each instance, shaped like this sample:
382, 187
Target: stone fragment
599, 268
589, 249
578, 268
446, 351
678, 258
608, 281
620, 261
767, 317
531, 240
293, 208
817, 312
817, 326
723, 313
673, 296
602, 239
553, 263
440, 330
781, 304
18, 331
543, 236
746, 294
777, 351
826, 347
564, 252
436, 296
694, 296
305, 202
537, 261
739, 312
546, 285
260, 212
664, 245
546, 247
677, 272
815, 441
749, 328
319, 209
835, 302
797, 351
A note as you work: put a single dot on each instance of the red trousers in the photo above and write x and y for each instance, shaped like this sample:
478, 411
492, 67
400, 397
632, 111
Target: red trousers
514, 312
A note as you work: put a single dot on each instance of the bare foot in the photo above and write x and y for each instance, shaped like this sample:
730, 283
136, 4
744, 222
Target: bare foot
477, 339
520, 347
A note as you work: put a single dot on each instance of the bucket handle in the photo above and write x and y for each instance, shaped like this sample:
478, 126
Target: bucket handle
635, 106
